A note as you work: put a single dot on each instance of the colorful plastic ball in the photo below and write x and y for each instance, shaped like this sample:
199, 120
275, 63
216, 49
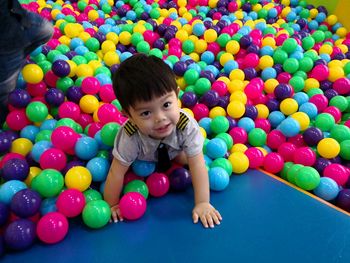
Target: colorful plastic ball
345, 150
340, 133
52, 228
19, 234
48, 183
328, 189
305, 156
218, 178
4, 213
312, 136
9, 189
257, 137
239, 161
216, 148
78, 177
61, 68
239, 135
343, 199
17, 120
132, 206
274, 139
246, 123
328, 148
96, 214
19, 98
289, 127
307, 178
90, 85
15, 169
25, 203
200, 111
108, 113
138, 186
283, 91
324, 121
70, 202
255, 157
236, 109
143, 168
337, 172
53, 159
273, 163
180, 179
36, 111
293, 172
86, 148
64, 138
54, 97
32, 73
38, 149
70, 110
92, 195
98, 168
158, 184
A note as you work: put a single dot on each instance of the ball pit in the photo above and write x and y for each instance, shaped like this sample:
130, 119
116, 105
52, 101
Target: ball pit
268, 83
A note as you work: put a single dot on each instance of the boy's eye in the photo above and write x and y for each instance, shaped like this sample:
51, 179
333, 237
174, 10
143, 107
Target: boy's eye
145, 113
166, 104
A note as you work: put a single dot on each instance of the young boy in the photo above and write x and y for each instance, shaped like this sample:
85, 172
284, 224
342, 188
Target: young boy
147, 91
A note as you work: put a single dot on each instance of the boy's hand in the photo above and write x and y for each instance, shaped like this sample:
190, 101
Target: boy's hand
207, 214
116, 215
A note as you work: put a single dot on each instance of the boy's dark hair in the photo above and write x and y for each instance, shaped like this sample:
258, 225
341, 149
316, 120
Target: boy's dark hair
142, 78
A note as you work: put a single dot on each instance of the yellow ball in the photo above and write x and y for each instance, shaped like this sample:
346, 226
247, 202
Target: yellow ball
111, 58
268, 41
239, 147
200, 46
78, 178
213, 3
203, 132
263, 111
32, 73
84, 36
235, 85
182, 35
64, 40
265, 62
341, 32
302, 118
88, 104
328, 148
217, 111
189, 111
93, 15
288, 106
107, 46
125, 38
232, 47
210, 35
72, 30
332, 19
33, 171
326, 49
235, 109
112, 37
73, 68
224, 58
335, 73
84, 70
21, 146
239, 161
239, 96
237, 74
270, 85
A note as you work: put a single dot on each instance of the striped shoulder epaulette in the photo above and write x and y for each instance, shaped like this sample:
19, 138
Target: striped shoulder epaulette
181, 124
130, 128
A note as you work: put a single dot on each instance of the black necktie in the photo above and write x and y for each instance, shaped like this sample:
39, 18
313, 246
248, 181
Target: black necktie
164, 162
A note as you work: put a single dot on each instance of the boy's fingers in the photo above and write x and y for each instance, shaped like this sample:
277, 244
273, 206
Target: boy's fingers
195, 218
204, 221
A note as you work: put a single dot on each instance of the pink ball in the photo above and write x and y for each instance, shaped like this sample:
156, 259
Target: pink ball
53, 159
255, 156
64, 138
93, 128
175, 51
337, 172
284, 77
50, 79
38, 89
251, 60
239, 135
132, 205
286, 150
158, 184
200, 111
297, 140
90, 85
70, 202
17, 120
150, 36
252, 91
342, 86
220, 87
304, 156
347, 123
214, 48
320, 101
335, 112
85, 119
263, 124
174, 42
52, 228
69, 109
131, 176
106, 93
273, 162
275, 138
108, 113
320, 72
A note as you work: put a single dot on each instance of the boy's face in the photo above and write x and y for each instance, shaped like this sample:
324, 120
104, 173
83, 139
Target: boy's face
156, 118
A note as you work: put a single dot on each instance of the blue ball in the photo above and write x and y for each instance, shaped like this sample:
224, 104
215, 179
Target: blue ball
289, 127
268, 73
246, 123
49, 124
301, 97
143, 168
207, 160
208, 57
310, 109
205, 124
275, 118
328, 189
218, 178
38, 149
29, 132
216, 148
98, 168
48, 205
86, 148
198, 29
9, 189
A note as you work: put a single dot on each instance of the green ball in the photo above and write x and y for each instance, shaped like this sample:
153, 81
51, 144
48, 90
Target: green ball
63, 48
223, 39
103, 154
312, 55
37, 111
201, 86
92, 195
262, 13
116, 103
155, 52
340, 102
269, 30
347, 68
106, 8
292, 172
143, 47
191, 76
79, 60
90, 56
190, 88
324, 121
300, 73
154, 14
45, 65
319, 36
223, 163
96, 214
307, 178
82, 5
92, 44
297, 83
219, 124
48, 183
291, 65
188, 46
137, 186
103, 70
340, 133
286, 166
345, 149
136, 38
172, 59
257, 137
313, 92
108, 133
305, 13
306, 64
289, 45
66, 122
64, 84
43, 135
279, 56
52, 55
226, 138
39, 58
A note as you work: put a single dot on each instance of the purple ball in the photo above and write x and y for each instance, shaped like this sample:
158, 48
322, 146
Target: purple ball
208, 75
159, 43
251, 112
245, 41
20, 234
60, 68
54, 97
100, 37
144, 16
273, 104
278, 68
231, 122
343, 199
5, 142
4, 213
253, 49
250, 73
71, 54
325, 85
321, 163
320, 62
74, 94
312, 136
180, 68
330, 93
15, 169
283, 91
72, 164
223, 101
210, 98
19, 98
180, 179
161, 29
189, 99
26, 203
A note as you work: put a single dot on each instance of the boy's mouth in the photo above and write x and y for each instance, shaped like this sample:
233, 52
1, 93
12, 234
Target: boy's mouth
163, 128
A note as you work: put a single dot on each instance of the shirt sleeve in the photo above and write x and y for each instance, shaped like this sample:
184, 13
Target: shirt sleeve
126, 148
193, 139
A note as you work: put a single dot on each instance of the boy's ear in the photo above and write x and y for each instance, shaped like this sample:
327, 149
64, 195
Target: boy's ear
177, 91
124, 113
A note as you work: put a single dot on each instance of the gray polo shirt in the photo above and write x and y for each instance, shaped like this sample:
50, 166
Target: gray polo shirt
130, 144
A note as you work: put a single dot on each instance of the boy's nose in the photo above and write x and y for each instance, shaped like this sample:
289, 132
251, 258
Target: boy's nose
159, 118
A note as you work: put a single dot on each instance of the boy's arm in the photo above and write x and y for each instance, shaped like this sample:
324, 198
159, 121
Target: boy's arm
113, 187
203, 210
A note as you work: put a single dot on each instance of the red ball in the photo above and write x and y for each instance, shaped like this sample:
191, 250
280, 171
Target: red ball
337, 172
305, 156
273, 162
158, 184
132, 205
